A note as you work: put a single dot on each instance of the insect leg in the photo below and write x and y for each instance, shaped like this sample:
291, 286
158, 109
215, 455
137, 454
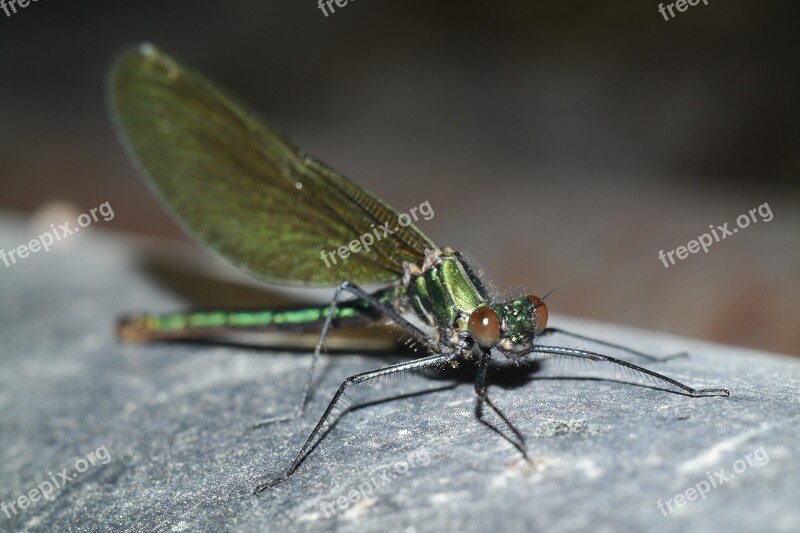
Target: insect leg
480, 391
322, 427
655, 376
550, 331
389, 312
383, 308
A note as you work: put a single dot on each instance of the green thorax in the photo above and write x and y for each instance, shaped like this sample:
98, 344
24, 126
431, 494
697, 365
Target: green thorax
445, 290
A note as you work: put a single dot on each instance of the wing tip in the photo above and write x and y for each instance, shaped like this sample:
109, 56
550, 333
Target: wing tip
148, 49
142, 56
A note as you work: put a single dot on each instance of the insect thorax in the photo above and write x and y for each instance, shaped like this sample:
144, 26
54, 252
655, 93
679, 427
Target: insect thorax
444, 289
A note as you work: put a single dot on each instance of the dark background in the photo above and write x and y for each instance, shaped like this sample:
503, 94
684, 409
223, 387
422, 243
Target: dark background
562, 145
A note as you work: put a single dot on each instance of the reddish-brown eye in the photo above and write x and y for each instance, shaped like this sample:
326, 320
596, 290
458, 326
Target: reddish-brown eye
540, 311
484, 327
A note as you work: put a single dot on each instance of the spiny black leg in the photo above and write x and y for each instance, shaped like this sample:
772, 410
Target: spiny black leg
389, 312
319, 432
655, 376
379, 306
480, 391
550, 331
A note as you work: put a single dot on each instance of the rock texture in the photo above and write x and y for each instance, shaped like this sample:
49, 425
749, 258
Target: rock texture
159, 437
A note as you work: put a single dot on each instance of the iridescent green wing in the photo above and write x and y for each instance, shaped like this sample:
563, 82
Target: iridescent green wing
239, 186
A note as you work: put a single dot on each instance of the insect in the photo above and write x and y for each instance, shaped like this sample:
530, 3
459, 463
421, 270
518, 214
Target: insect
270, 209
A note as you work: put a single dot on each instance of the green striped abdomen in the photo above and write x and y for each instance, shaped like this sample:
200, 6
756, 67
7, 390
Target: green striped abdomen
216, 323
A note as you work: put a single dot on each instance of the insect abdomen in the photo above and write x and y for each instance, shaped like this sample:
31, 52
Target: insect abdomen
209, 324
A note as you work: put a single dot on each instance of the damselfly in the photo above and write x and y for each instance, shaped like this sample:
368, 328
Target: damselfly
272, 210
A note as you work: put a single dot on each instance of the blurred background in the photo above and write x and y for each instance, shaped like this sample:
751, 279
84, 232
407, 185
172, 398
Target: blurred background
561, 145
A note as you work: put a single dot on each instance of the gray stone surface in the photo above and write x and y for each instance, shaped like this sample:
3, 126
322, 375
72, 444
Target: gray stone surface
175, 420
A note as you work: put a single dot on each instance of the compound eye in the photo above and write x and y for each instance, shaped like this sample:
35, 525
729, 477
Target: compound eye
484, 327
539, 311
